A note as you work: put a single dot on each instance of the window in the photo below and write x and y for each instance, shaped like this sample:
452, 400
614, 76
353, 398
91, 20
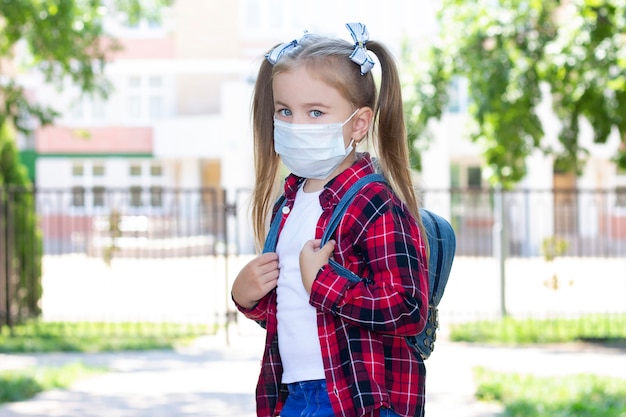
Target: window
76, 109
135, 197
457, 95
467, 176
135, 170
154, 22
98, 196
155, 106
155, 82
78, 170
277, 18
78, 197
620, 196
134, 81
97, 170
156, 197
455, 175
134, 107
156, 170
474, 177
620, 187
253, 12
98, 109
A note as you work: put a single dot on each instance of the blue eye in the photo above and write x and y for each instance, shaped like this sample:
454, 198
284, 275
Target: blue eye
316, 113
284, 112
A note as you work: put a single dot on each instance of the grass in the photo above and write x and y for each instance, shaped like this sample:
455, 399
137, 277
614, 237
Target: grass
521, 395
41, 337
607, 329
19, 385
563, 396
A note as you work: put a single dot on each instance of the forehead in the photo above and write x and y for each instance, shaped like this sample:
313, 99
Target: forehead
299, 86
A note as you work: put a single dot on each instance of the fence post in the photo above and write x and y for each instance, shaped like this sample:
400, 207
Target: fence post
499, 244
5, 259
230, 209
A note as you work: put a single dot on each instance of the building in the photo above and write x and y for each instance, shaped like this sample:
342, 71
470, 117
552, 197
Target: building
178, 119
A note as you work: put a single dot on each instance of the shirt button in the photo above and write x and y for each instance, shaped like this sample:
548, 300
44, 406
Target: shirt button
286, 210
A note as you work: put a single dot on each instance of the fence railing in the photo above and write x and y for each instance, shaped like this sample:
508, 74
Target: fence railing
153, 226
200, 222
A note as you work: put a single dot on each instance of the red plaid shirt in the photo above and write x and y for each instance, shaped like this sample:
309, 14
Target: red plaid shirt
361, 326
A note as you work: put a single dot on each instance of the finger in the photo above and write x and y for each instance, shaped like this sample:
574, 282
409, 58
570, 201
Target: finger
267, 267
270, 275
267, 257
312, 245
328, 249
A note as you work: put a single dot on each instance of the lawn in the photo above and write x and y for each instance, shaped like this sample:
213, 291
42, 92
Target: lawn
562, 396
606, 329
559, 396
520, 395
41, 337
22, 384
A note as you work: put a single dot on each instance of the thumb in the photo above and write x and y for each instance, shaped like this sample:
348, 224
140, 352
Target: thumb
328, 248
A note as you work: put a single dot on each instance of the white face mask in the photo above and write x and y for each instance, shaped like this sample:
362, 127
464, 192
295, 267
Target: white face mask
311, 150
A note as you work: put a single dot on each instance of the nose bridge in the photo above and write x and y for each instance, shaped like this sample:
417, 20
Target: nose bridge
299, 117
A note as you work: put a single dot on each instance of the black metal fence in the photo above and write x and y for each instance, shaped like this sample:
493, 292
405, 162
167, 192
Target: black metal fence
200, 222
111, 225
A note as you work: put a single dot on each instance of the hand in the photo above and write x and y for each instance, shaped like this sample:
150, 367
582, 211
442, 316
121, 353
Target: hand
256, 279
312, 258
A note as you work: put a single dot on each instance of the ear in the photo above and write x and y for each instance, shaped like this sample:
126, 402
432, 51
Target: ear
361, 123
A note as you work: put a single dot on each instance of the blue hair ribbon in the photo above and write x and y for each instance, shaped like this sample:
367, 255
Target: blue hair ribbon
360, 35
280, 50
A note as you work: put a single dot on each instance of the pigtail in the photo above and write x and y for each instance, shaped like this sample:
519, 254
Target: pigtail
266, 161
392, 144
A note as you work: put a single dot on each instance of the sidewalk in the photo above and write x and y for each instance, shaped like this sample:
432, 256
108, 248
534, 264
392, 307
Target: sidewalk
215, 380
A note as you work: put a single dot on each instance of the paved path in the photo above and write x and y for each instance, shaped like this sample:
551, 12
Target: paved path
213, 379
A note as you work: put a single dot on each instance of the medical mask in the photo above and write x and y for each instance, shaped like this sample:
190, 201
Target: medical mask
311, 150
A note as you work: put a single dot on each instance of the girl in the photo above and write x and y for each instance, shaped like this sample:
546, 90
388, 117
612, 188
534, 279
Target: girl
335, 347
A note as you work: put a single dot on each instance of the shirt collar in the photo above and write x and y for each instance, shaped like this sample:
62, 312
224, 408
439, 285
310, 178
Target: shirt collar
336, 187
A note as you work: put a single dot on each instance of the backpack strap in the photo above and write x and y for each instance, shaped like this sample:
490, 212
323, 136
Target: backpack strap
272, 234
336, 217
441, 241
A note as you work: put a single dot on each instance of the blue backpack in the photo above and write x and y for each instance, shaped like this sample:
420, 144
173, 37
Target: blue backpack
442, 242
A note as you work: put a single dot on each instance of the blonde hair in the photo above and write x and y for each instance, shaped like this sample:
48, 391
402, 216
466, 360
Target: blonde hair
329, 60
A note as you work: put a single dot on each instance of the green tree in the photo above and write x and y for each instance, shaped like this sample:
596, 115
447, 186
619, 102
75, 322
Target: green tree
507, 50
20, 240
65, 40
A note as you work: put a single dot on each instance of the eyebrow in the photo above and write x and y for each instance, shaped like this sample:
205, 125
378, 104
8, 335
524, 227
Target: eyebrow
280, 103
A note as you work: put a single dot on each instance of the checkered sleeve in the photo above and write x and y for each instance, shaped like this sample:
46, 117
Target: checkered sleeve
380, 241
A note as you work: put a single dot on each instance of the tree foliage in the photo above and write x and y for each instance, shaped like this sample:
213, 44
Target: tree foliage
66, 41
507, 50
20, 239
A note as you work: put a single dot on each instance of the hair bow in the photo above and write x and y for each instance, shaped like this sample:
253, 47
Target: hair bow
281, 49
359, 55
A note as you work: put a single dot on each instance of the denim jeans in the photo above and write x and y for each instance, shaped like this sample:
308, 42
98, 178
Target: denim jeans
310, 399
307, 399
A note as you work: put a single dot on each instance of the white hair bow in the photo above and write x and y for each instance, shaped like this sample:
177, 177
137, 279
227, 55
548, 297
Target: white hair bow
281, 49
359, 55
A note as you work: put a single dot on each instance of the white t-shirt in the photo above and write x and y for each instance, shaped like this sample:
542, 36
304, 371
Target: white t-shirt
298, 339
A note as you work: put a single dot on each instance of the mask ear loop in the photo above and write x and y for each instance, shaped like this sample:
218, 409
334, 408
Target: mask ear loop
349, 118
352, 140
